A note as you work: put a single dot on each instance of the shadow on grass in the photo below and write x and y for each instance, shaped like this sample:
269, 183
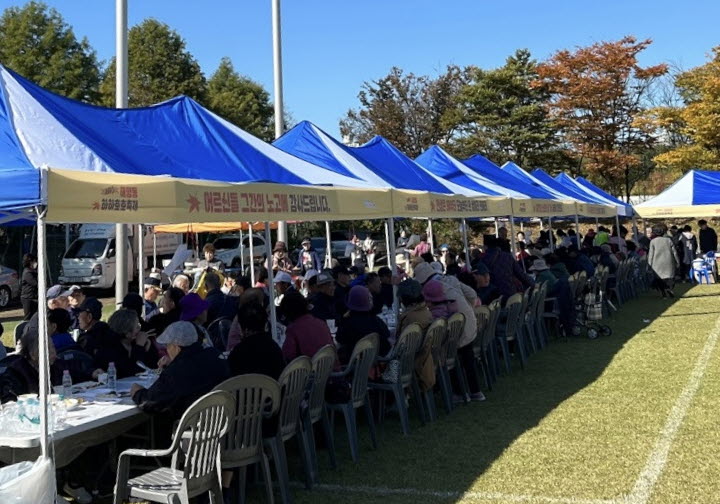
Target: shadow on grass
451, 453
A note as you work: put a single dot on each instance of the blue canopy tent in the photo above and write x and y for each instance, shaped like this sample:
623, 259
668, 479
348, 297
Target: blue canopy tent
696, 194
625, 208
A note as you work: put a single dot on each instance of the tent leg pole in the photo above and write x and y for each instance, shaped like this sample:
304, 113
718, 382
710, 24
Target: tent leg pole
463, 223
497, 228
431, 238
390, 228
252, 257
67, 236
154, 249
577, 230
273, 318
522, 227
387, 242
140, 259
242, 252
43, 361
617, 227
328, 252
550, 234
513, 238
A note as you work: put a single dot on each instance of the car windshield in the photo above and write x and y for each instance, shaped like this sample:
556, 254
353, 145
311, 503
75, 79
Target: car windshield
86, 248
227, 243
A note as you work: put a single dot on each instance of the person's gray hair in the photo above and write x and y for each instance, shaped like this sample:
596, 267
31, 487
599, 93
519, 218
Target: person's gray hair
123, 321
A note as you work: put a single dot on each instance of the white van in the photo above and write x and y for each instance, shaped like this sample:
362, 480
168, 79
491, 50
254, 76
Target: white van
90, 260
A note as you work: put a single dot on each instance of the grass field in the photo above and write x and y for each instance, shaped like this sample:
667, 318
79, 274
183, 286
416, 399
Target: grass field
626, 419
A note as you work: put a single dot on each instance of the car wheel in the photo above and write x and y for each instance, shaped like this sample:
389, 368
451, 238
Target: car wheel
5, 296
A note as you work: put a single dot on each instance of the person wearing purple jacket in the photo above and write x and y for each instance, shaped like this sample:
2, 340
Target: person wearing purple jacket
507, 274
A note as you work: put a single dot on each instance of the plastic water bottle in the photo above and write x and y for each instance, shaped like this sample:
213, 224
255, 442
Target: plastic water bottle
112, 377
66, 384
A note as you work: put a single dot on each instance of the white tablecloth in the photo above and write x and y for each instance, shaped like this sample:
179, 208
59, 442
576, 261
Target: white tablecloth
94, 422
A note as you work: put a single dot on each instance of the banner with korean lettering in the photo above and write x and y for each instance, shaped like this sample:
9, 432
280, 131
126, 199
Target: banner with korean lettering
455, 206
593, 210
109, 197
531, 207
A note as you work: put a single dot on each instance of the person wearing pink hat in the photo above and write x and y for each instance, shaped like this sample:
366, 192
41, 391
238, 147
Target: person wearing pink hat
358, 323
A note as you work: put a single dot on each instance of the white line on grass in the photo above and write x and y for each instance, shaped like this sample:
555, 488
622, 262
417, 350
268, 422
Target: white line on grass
655, 464
469, 495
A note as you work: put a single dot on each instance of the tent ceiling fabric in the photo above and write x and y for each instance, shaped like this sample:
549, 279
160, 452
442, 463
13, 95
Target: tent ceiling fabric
696, 194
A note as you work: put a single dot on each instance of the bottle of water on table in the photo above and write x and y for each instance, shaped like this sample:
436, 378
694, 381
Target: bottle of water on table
66, 384
112, 377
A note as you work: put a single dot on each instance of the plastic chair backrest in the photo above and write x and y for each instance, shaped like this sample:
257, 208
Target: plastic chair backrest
482, 316
322, 365
435, 337
293, 383
514, 307
455, 325
362, 360
407, 347
202, 426
256, 397
219, 330
495, 309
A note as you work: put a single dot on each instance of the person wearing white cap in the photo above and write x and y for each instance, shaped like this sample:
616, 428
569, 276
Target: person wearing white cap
189, 372
57, 297
543, 274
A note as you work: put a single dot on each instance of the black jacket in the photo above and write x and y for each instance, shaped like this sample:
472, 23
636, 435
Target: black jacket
256, 353
356, 326
29, 284
322, 306
193, 373
340, 300
708, 240
220, 305
105, 347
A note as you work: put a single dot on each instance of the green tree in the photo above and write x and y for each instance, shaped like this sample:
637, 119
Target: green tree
36, 42
241, 101
503, 116
413, 112
159, 67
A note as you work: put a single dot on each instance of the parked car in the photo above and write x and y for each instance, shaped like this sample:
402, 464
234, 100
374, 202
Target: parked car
9, 286
227, 248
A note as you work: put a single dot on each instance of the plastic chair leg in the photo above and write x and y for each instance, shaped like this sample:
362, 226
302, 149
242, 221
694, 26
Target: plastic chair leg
402, 408
268, 480
430, 402
351, 424
277, 447
445, 388
417, 399
371, 421
506, 353
306, 441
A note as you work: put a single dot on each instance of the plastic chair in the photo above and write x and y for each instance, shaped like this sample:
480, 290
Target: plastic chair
256, 397
482, 316
193, 472
404, 351
449, 361
361, 361
699, 271
219, 330
508, 331
435, 337
293, 383
322, 365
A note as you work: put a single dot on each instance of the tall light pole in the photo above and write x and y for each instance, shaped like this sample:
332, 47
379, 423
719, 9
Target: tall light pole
278, 90
121, 101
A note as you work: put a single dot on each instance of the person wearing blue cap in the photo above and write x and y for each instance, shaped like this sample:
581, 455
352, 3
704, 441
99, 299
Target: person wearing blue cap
487, 292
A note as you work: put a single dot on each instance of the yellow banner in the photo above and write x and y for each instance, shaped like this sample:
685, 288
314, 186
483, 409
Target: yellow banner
109, 197
542, 208
693, 211
593, 210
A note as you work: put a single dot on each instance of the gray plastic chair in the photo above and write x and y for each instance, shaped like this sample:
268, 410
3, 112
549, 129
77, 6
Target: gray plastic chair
256, 397
490, 343
323, 363
482, 316
508, 331
449, 361
404, 351
219, 330
293, 383
435, 337
361, 361
193, 472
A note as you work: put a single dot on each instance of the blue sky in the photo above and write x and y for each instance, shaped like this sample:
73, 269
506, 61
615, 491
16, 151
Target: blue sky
330, 47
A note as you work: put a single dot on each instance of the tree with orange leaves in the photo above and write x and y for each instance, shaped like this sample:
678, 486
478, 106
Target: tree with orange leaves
597, 93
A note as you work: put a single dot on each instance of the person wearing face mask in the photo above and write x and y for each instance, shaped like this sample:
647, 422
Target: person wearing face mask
308, 258
280, 259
